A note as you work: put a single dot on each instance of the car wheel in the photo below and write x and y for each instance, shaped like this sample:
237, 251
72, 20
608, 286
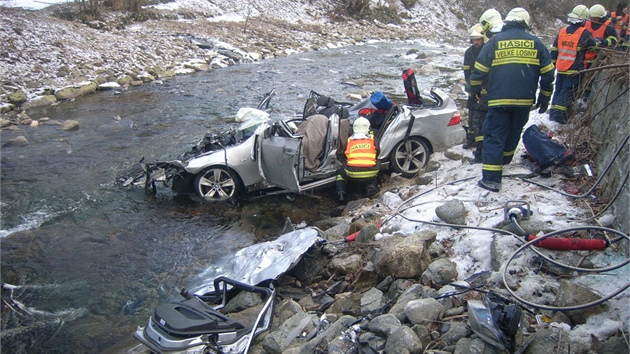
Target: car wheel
409, 157
216, 184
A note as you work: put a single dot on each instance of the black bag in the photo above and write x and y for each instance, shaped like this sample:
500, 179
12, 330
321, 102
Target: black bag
543, 149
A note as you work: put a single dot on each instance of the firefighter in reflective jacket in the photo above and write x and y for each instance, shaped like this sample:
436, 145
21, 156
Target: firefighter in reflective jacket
511, 63
603, 31
362, 165
568, 54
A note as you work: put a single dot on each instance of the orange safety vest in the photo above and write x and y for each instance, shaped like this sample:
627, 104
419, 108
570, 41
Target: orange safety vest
361, 152
619, 24
568, 48
599, 33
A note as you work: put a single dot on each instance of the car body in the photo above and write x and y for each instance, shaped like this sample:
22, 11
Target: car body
300, 154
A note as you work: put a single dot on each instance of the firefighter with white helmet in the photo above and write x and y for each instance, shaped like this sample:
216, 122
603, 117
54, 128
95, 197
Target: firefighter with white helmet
569, 55
362, 165
477, 107
491, 22
511, 65
602, 29
520, 15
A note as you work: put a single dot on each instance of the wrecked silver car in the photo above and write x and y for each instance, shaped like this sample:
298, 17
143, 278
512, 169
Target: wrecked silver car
302, 153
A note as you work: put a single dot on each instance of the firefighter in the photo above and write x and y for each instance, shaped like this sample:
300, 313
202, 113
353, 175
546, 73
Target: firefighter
602, 29
362, 165
620, 18
512, 64
476, 108
490, 22
568, 55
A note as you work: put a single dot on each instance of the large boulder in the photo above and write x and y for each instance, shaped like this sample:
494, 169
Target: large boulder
404, 257
81, 89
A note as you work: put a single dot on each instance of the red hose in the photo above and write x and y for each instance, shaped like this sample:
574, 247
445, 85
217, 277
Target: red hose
569, 244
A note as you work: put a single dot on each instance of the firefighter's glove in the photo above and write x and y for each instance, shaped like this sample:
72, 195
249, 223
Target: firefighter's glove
542, 104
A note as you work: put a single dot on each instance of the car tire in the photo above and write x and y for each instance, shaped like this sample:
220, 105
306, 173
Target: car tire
409, 157
217, 184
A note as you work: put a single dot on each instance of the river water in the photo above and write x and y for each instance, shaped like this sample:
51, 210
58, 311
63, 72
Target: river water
90, 260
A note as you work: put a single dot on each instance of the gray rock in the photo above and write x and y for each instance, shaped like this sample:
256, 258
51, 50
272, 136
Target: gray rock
546, 338
40, 101
337, 232
17, 141
614, 345
424, 180
452, 212
422, 332
344, 264
377, 343
441, 270
432, 166
283, 311
404, 257
414, 292
67, 93
349, 303
367, 234
403, 340
571, 294
453, 155
242, 301
367, 278
436, 250
17, 97
372, 301
70, 125
384, 325
455, 333
329, 334
290, 333
423, 311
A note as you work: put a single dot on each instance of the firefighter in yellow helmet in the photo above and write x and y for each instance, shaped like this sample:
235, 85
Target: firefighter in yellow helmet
362, 165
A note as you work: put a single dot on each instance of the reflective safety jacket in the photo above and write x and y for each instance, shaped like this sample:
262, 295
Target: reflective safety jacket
361, 152
512, 63
569, 49
601, 31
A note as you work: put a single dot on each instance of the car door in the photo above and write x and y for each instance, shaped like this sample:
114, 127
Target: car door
280, 160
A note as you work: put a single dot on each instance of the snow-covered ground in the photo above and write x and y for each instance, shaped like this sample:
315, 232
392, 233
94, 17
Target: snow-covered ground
472, 249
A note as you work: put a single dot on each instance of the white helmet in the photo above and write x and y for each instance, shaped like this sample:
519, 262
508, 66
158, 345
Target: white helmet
361, 125
475, 32
597, 11
489, 18
518, 14
579, 14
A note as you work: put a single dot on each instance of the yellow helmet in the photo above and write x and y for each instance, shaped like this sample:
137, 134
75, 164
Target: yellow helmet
579, 14
475, 32
518, 14
489, 18
597, 11
361, 125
